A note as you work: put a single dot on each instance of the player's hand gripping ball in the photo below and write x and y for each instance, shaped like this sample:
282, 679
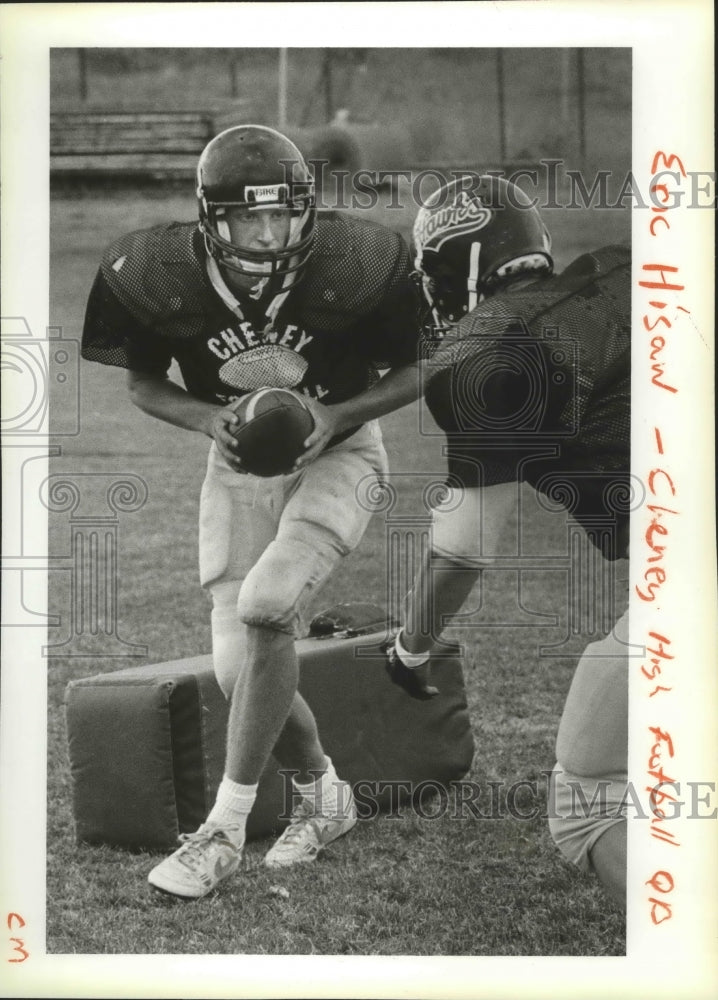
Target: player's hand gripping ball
273, 426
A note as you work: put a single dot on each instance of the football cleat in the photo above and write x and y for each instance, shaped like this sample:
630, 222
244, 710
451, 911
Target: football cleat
413, 680
310, 832
199, 865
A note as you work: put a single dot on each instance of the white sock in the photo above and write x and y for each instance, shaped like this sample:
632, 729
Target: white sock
410, 660
328, 794
232, 807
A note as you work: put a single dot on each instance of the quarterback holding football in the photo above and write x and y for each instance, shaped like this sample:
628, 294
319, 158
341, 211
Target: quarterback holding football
264, 293
530, 383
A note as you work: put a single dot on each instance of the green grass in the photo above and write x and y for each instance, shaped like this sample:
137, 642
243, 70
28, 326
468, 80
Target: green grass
395, 886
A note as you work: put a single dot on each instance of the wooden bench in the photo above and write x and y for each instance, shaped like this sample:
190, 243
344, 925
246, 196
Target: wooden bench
166, 144
139, 143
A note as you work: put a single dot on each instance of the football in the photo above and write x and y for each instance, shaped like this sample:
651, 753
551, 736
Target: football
273, 426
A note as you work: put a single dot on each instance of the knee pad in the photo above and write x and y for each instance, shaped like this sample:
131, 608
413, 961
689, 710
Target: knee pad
229, 645
466, 526
279, 584
455, 534
460, 561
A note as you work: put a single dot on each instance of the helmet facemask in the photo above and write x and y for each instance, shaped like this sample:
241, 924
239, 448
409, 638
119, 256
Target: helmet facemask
432, 324
450, 292
278, 268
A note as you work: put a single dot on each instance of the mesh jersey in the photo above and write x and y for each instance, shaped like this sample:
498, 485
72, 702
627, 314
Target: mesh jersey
534, 385
354, 312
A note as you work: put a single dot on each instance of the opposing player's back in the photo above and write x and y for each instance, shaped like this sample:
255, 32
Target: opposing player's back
588, 303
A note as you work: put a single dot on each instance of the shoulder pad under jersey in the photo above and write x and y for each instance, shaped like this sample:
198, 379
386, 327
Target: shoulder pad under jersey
353, 264
587, 273
597, 263
156, 273
589, 301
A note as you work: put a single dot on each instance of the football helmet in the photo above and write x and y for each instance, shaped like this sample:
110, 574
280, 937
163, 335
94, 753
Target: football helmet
253, 167
473, 236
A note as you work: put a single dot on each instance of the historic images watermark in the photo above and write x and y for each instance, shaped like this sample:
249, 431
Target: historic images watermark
34, 368
526, 799
547, 184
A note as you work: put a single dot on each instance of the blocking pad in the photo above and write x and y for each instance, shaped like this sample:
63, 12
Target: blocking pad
147, 743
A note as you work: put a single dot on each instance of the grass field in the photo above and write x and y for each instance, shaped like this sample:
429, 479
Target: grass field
396, 886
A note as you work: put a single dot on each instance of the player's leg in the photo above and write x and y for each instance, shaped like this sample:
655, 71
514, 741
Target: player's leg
587, 818
440, 588
261, 702
323, 520
240, 517
608, 860
466, 534
237, 522
230, 644
266, 713
592, 736
588, 824
300, 729
465, 395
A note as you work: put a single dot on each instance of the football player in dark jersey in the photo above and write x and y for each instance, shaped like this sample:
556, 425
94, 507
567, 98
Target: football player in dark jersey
265, 291
531, 383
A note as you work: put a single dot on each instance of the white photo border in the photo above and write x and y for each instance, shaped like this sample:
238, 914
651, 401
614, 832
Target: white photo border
672, 114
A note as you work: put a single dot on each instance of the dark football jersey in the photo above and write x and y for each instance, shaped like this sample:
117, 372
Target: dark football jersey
534, 385
355, 311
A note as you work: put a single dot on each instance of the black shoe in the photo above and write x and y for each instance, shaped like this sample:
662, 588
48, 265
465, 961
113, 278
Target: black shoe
414, 681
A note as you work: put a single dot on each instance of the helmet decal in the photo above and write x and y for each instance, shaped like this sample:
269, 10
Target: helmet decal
473, 236
464, 215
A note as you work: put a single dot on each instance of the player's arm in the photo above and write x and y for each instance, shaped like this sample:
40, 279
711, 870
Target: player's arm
391, 342
160, 397
114, 334
399, 387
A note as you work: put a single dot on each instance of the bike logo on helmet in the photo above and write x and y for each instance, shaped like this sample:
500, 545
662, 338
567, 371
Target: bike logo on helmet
268, 192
